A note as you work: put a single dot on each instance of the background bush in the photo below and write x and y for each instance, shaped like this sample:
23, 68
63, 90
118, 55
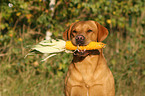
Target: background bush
23, 23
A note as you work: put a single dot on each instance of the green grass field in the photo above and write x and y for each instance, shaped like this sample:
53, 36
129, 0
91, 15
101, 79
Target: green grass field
31, 77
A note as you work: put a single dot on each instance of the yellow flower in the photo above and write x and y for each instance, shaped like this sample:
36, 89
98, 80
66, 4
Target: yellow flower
1, 36
46, 11
11, 35
127, 51
108, 21
20, 39
35, 64
28, 16
18, 14
67, 24
79, 6
114, 12
77, 20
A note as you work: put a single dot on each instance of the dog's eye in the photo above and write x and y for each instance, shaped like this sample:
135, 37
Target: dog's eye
89, 30
74, 31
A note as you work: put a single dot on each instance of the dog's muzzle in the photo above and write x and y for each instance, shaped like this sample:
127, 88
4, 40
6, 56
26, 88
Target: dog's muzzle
80, 40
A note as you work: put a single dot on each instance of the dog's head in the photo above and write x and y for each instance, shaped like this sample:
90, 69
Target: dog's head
83, 32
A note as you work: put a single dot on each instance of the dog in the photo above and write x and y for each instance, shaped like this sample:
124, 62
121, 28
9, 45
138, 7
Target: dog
88, 74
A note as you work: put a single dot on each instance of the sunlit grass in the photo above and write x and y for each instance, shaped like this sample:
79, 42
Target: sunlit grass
31, 77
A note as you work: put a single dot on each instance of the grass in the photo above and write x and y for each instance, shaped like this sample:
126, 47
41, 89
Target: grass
31, 77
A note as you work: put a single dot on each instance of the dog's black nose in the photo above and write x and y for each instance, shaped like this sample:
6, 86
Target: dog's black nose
80, 39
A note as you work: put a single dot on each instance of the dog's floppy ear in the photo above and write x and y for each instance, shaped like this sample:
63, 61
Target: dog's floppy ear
66, 34
102, 32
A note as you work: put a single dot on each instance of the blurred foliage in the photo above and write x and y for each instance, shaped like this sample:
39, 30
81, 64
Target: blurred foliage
24, 23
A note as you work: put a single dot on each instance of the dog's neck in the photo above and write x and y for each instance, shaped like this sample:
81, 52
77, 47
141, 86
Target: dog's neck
89, 62
89, 65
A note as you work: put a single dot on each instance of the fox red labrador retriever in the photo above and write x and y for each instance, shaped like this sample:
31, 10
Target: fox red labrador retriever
88, 74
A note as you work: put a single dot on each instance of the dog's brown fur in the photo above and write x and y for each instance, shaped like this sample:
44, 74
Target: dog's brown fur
88, 75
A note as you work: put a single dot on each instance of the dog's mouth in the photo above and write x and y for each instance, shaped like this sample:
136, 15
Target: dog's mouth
81, 53
84, 53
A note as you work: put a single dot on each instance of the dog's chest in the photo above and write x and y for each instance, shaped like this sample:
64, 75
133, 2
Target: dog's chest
86, 68
86, 72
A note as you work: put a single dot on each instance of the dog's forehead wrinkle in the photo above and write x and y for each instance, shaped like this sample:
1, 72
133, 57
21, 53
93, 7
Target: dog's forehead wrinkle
84, 26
